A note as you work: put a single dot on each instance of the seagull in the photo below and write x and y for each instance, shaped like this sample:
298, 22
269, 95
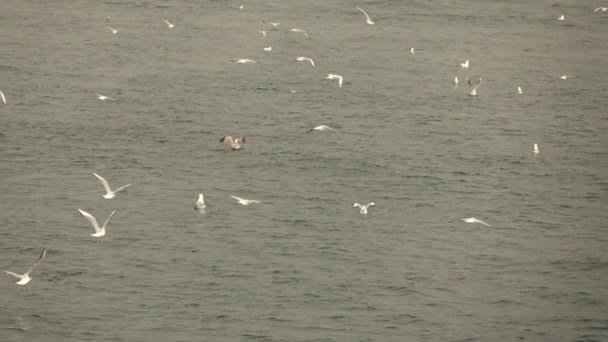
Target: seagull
412, 51
3, 98
243, 60
474, 90
333, 77
200, 203
99, 232
241, 7
465, 64
103, 97
368, 20
168, 23
243, 201
322, 128
301, 59
363, 208
603, 9
297, 30
109, 193
519, 91
234, 144
561, 17
113, 30
564, 77
456, 82
536, 150
25, 278
267, 49
275, 24
263, 32
474, 220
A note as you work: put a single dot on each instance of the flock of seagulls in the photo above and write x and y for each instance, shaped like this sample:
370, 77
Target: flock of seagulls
237, 143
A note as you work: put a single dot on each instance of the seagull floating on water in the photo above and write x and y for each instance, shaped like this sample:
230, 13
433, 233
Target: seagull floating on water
321, 128
113, 30
465, 64
456, 81
200, 202
109, 193
334, 77
99, 231
301, 59
2, 96
561, 17
243, 201
603, 9
243, 61
168, 23
368, 20
234, 144
25, 278
474, 220
474, 89
363, 208
103, 97
536, 150
519, 91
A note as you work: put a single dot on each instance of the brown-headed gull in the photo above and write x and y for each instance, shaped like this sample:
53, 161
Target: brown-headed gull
25, 278
99, 231
109, 193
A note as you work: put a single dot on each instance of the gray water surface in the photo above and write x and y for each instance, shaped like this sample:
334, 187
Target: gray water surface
304, 265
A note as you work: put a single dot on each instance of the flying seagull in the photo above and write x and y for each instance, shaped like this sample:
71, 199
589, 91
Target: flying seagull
412, 51
25, 278
603, 9
243, 201
465, 64
3, 98
168, 23
113, 30
321, 128
233, 143
109, 193
267, 49
519, 90
474, 220
243, 61
536, 150
301, 59
368, 20
99, 232
363, 208
297, 30
456, 82
561, 18
103, 97
474, 89
333, 77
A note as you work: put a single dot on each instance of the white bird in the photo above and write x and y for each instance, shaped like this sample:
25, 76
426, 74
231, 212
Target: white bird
536, 150
3, 98
168, 23
109, 193
368, 20
25, 277
263, 32
275, 24
456, 81
474, 89
465, 64
603, 9
99, 231
268, 49
519, 91
113, 30
321, 128
301, 59
243, 61
474, 220
103, 97
234, 144
333, 77
241, 7
297, 30
243, 201
564, 77
561, 17
200, 203
363, 208
412, 51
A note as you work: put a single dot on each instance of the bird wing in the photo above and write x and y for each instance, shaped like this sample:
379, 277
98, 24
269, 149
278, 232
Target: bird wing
167, 22
104, 182
238, 198
14, 274
366, 15
108, 219
42, 255
122, 188
311, 62
480, 221
3, 98
91, 219
477, 85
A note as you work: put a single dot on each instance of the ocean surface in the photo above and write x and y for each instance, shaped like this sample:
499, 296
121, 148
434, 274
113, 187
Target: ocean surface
304, 265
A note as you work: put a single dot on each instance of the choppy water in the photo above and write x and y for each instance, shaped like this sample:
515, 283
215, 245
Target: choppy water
304, 265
